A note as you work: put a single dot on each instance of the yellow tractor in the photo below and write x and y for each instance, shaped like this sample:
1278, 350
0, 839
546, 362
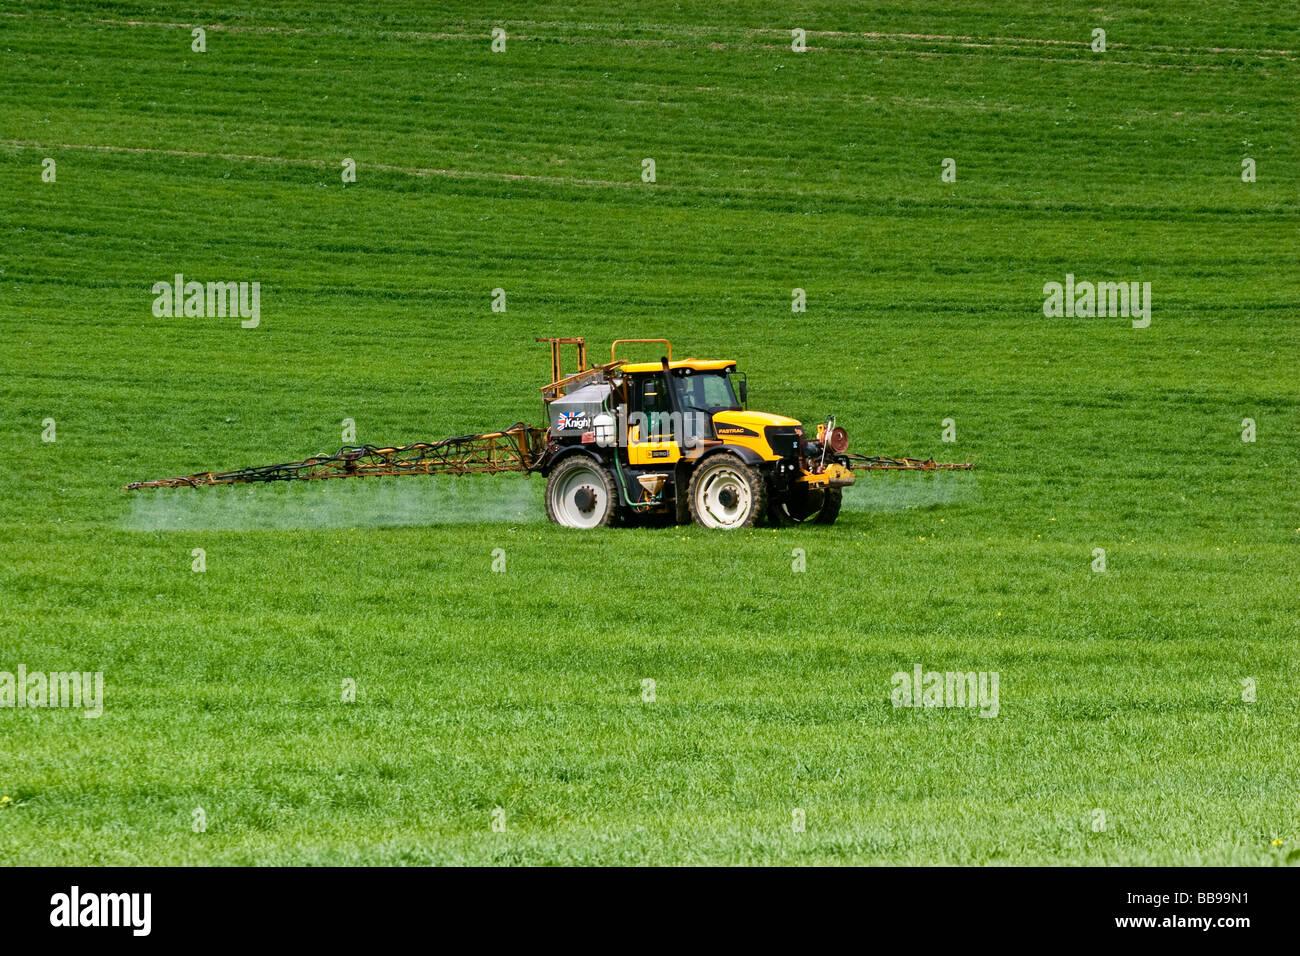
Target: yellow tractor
675, 437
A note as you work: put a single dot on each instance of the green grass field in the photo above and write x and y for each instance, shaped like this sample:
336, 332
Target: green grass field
522, 690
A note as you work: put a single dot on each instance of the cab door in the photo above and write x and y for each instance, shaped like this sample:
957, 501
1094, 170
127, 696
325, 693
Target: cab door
652, 434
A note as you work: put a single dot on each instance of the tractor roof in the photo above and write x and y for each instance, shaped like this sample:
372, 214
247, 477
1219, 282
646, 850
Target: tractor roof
696, 365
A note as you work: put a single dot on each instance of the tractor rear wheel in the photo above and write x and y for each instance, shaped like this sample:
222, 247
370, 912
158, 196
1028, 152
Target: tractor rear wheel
580, 493
726, 493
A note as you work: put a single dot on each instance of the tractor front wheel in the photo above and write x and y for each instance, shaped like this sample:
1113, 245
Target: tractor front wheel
580, 493
800, 504
830, 507
726, 493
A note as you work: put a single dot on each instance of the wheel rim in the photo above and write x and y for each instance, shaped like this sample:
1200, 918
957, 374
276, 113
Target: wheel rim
724, 498
578, 499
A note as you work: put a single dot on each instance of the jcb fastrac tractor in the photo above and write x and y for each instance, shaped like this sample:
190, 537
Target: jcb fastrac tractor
675, 436
669, 438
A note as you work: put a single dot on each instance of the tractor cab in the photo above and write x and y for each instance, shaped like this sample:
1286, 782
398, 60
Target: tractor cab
675, 403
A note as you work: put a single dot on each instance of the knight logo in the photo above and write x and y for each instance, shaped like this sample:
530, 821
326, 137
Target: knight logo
572, 420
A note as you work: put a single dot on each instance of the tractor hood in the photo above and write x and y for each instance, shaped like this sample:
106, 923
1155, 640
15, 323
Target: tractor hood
736, 423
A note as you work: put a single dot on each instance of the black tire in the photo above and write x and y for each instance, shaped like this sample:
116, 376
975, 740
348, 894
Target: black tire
580, 493
830, 507
681, 505
819, 506
725, 493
